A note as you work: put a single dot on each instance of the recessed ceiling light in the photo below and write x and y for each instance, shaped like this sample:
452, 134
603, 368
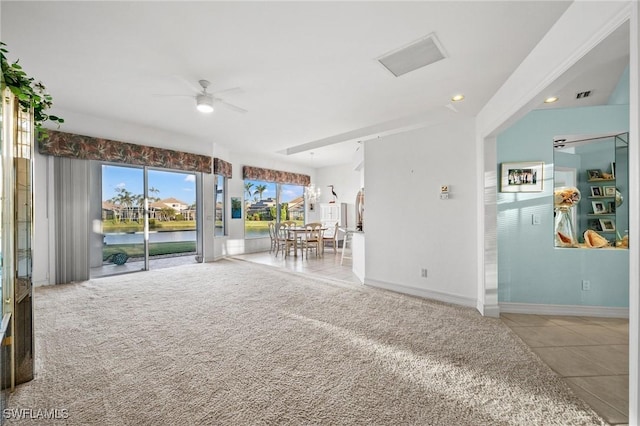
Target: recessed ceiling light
551, 99
457, 98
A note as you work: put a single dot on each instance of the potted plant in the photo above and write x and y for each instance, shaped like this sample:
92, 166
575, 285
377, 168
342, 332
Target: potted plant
30, 94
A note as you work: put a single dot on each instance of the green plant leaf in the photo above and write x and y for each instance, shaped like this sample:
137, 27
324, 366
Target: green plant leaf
30, 94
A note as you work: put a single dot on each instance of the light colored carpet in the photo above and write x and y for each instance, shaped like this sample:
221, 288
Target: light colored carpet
235, 343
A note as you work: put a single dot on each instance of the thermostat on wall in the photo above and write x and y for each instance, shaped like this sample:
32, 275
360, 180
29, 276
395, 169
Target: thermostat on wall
444, 192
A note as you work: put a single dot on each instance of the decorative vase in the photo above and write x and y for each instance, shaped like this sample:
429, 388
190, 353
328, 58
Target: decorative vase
565, 233
564, 199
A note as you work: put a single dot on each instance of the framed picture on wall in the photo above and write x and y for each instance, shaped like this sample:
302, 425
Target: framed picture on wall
609, 191
611, 206
607, 224
594, 174
598, 207
595, 225
521, 177
236, 208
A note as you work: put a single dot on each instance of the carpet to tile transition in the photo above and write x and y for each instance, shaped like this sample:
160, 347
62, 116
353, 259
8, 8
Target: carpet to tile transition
235, 343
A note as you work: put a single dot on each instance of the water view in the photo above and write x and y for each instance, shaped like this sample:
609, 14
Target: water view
154, 237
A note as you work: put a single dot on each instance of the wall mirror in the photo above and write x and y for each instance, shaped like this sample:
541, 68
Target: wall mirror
591, 192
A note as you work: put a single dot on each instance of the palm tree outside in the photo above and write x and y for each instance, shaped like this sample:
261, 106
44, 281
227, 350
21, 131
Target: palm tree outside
259, 190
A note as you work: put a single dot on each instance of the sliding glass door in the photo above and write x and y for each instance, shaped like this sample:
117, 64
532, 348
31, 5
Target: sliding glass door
146, 215
172, 213
123, 220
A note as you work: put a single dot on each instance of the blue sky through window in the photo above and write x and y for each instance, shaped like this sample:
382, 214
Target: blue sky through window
169, 184
287, 192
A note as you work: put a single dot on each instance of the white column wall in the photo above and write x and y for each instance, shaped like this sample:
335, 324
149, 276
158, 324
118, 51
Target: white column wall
634, 208
408, 227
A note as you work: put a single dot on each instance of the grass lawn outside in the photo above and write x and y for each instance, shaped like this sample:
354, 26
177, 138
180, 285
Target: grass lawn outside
155, 249
260, 228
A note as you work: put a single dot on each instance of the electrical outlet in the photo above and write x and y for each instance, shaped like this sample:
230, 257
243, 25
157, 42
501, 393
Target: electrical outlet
586, 285
423, 273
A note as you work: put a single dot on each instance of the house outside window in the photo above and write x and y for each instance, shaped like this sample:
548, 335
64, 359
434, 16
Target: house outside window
270, 202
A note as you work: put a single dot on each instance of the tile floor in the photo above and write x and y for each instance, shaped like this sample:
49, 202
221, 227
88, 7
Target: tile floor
590, 354
326, 266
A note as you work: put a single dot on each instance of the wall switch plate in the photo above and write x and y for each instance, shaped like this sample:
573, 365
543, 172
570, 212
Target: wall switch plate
586, 285
535, 219
423, 273
444, 196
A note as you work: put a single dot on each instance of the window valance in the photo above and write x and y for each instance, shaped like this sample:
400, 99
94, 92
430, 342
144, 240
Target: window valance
61, 144
268, 175
221, 167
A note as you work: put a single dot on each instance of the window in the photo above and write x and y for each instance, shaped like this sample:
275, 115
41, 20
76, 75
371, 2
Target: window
292, 203
219, 200
270, 202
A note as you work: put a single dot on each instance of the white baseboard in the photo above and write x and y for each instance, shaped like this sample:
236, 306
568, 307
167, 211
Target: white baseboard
421, 292
569, 310
492, 311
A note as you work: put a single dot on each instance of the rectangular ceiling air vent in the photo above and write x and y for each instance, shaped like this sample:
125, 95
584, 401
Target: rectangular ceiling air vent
583, 94
416, 55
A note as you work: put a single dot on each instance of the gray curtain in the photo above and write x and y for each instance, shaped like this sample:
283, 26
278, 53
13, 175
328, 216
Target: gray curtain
71, 193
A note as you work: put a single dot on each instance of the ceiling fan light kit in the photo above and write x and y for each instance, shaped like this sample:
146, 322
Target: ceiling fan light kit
204, 103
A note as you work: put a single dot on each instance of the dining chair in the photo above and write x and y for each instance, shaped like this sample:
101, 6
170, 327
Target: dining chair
273, 236
330, 236
313, 238
285, 239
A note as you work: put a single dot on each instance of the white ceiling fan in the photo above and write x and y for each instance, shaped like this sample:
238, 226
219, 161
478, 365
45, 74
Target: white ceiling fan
206, 101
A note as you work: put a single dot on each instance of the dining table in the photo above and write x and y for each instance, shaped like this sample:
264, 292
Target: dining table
296, 231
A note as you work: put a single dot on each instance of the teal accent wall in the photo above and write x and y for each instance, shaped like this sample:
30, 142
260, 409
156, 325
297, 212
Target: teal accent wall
530, 268
621, 94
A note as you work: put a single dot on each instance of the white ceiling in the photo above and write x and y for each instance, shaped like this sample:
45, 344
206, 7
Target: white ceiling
308, 71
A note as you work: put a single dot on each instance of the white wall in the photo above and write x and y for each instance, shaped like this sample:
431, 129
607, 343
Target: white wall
408, 227
131, 133
346, 182
634, 234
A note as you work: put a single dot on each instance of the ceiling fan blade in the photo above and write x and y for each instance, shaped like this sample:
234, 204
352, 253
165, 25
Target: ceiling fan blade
167, 95
196, 88
230, 106
230, 91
